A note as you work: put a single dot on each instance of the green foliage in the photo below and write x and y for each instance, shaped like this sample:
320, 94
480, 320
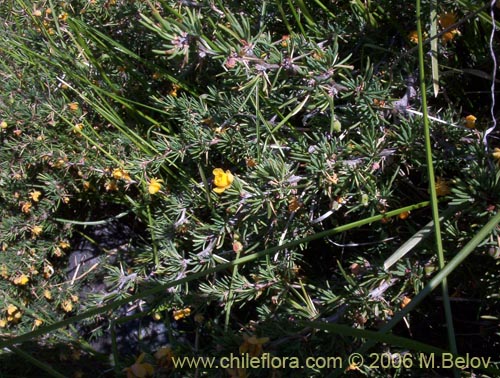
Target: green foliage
230, 138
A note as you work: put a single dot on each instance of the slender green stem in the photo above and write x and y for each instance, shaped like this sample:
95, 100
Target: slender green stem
154, 244
205, 186
257, 121
432, 187
230, 295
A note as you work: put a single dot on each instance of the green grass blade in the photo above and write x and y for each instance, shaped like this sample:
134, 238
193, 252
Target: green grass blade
434, 49
416, 239
432, 186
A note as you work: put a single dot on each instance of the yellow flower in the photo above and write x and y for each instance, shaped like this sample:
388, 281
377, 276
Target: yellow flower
496, 154
406, 300
139, 369
404, 215
470, 121
35, 195
21, 280
26, 206
173, 90
3, 323
117, 173
447, 19
11, 309
284, 40
63, 16
253, 345
15, 317
353, 366
64, 244
121, 174
154, 185
4, 272
3, 125
448, 36
111, 186
78, 128
180, 314
413, 36
442, 188
58, 252
47, 294
73, 106
67, 306
36, 231
222, 180
37, 323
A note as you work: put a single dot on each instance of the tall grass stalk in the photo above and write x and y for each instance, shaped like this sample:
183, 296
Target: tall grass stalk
432, 186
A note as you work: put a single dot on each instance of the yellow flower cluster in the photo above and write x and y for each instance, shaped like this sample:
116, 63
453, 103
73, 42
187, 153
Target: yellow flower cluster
58, 250
14, 315
180, 314
121, 174
21, 280
446, 20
